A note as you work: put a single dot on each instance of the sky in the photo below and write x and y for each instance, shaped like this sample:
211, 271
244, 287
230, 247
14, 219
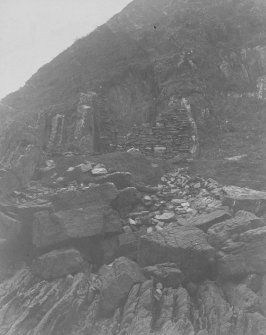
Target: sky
33, 32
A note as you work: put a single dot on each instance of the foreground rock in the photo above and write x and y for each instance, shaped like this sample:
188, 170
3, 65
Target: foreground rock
117, 280
80, 214
185, 246
216, 316
242, 297
10, 229
168, 274
59, 304
51, 229
205, 221
241, 244
244, 198
76, 198
58, 263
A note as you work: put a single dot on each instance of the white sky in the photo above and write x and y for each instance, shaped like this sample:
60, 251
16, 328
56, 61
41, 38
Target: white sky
33, 32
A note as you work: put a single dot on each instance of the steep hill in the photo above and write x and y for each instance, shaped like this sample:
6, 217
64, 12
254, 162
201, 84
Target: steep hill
128, 70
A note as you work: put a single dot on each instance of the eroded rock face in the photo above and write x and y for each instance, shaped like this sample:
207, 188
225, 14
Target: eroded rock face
42, 307
205, 221
242, 297
51, 229
245, 199
244, 257
57, 263
10, 228
185, 246
95, 195
117, 281
168, 274
241, 245
215, 315
231, 229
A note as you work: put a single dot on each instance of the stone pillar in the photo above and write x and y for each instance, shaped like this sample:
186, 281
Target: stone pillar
195, 139
56, 134
86, 124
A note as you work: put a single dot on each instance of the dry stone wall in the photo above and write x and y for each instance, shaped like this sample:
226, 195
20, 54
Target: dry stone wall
171, 135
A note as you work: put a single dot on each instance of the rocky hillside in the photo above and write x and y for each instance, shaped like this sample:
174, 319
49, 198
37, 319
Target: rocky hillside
94, 240
131, 67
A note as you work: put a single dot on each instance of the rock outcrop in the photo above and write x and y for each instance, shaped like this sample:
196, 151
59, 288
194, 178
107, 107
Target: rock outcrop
186, 246
58, 263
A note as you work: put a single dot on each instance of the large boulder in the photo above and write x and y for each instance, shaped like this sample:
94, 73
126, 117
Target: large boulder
93, 195
241, 297
117, 280
128, 245
246, 256
205, 221
216, 316
240, 243
57, 263
231, 229
10, 228
126, 200
185, 246
244, 198
96, 219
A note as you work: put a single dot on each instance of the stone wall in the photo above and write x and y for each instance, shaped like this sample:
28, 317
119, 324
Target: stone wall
171, 134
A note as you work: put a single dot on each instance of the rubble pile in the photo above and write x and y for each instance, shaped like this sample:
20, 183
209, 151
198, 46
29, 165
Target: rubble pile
178, 198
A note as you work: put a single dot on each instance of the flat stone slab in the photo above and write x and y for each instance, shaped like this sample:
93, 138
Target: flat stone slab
220, 233
244, 198
96, 194
166, 217
187, 247
94, 220
205, 221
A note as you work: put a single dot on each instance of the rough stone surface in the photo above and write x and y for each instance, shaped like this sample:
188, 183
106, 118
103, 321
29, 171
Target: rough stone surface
120, 179
205, 221
57, 263
96, 194
168, 274
50, 229
262, 294
215, 315
245, 256
117, 280
244, 198
233, 228
128, 245
241, 297
185, 246
9, 227
126, 200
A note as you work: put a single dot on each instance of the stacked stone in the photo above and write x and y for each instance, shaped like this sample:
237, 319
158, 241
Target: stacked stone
171, 135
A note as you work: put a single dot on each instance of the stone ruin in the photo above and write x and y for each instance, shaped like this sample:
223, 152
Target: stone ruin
91, 129
174, 132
